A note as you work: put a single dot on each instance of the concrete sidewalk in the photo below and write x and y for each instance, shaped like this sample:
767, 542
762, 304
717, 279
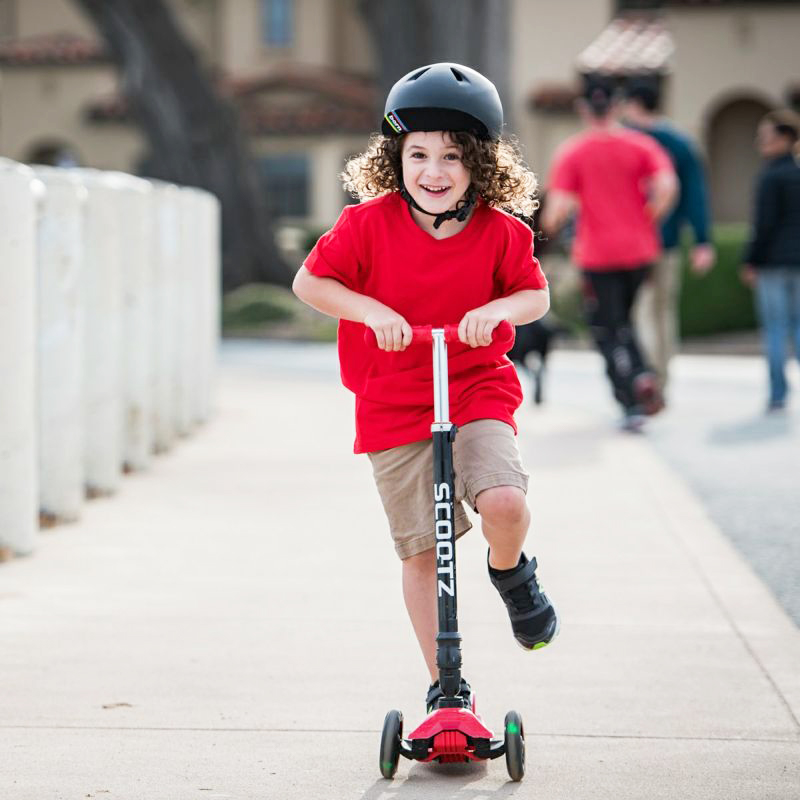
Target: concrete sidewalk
231, 626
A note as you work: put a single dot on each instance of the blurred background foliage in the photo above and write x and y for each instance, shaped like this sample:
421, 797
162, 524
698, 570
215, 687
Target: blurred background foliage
717, 302
270, 311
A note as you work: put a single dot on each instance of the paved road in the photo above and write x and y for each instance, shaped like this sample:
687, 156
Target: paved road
742, 463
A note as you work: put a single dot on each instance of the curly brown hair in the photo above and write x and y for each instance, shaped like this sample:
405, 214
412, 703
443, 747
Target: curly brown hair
497, 170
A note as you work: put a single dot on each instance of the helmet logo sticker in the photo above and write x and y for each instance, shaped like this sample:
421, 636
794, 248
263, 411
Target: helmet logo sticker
395, 122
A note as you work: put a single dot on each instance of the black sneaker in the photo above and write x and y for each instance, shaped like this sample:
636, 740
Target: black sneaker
435, 694
533, 617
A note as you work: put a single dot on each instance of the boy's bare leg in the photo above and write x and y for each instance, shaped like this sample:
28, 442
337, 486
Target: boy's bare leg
419, 591
505, 519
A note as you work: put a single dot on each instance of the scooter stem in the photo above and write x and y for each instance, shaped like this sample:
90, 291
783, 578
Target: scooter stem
448, 640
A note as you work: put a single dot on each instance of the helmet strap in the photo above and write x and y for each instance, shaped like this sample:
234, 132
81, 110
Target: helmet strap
459, 213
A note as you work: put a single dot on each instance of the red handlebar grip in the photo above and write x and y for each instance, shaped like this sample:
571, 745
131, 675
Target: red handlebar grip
423, 334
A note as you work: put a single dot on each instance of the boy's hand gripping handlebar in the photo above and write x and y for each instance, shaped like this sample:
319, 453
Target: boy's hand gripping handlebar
423, 334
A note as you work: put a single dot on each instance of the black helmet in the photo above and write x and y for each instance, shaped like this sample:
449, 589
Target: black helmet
444, 97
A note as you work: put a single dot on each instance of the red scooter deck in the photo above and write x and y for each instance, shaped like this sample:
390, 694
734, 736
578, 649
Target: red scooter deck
452, 732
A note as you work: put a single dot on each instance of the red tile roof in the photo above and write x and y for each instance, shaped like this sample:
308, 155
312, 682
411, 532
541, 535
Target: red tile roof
326, 119
339, 86
554, 97
318, 102
52, 49
628, 46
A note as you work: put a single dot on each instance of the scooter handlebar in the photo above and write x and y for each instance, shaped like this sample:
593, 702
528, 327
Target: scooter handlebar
423, 334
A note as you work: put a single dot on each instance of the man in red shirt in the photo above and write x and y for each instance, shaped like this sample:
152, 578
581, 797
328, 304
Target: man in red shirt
621, 182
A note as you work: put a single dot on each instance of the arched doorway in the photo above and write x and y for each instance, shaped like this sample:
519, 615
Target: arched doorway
734, 162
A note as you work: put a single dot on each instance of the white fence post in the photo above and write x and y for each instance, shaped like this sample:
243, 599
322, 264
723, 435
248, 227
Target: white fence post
186, 329
19, 495
167, 254
211, 299
136, 229
60, 297
103, 334
198, 287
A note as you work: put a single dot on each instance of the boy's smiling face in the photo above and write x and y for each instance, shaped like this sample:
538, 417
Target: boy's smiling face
433, 171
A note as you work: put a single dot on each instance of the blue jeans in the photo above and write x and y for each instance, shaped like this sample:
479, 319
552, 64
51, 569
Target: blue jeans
778, 293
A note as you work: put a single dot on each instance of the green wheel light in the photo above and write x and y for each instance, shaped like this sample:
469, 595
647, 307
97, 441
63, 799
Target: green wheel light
387, 765
512, 728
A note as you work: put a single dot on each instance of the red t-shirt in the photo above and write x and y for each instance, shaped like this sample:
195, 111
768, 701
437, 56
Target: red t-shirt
377, 249
608, 171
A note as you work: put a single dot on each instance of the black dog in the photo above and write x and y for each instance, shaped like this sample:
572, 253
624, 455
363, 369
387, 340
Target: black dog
534, 338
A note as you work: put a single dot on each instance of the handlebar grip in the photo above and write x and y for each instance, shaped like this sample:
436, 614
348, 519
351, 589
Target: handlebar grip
423, 334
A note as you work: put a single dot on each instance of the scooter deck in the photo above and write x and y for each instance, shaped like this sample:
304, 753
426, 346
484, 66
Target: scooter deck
452, 734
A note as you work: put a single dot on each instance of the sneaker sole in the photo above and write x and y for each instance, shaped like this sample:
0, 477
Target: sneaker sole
539, 645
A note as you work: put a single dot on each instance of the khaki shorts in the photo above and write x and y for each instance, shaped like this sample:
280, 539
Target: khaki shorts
485, 455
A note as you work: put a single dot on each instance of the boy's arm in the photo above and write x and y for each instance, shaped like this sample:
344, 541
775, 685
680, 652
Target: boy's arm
527, 305
327, 295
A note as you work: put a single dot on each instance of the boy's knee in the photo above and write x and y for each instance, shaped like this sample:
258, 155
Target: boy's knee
420, 562
502, 506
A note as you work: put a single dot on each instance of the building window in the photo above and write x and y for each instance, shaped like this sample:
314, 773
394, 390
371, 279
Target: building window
286, 178
276, 22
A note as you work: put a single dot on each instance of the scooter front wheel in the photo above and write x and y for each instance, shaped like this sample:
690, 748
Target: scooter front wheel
515, 746
390, 743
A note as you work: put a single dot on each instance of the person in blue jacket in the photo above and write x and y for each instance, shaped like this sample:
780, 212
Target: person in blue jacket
772, 258
656, 309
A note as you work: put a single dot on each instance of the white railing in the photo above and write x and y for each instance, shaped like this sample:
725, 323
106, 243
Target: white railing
109, 326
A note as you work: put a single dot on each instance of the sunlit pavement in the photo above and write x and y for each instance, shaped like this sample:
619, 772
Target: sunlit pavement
231, 624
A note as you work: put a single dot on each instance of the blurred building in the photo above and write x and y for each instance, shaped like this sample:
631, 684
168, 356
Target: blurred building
301, 71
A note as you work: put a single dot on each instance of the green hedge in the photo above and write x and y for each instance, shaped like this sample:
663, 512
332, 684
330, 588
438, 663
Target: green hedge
255, 304
264, 310
718, 301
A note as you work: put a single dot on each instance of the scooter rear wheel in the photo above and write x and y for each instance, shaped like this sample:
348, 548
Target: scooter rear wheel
515, 746
390, 743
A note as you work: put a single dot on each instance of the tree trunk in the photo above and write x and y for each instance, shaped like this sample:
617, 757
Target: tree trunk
416, 32
193, 134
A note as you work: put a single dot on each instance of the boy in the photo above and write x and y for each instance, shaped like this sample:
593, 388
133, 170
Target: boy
430, 245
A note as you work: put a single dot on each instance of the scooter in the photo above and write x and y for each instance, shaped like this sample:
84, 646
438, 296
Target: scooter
452, 732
